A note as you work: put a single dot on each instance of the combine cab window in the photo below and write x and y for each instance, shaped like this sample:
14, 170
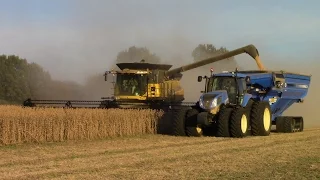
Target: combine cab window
224, 83
131, 84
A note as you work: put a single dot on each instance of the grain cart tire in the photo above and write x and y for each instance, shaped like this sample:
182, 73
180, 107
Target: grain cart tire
288, 125
239, 123
260, 119
192, 128
280, 124
178, 122
301, 125
223, 123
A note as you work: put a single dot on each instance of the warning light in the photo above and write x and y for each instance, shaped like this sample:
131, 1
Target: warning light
211, 69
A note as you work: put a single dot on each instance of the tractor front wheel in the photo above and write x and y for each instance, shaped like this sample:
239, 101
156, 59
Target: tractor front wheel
192, 127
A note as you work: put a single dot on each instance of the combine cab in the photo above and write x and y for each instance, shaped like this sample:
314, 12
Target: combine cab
240, 103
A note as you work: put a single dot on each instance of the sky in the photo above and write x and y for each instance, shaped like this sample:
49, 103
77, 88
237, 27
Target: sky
75, 38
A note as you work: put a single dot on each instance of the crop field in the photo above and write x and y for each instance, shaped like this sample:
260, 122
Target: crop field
24, 125
75, 144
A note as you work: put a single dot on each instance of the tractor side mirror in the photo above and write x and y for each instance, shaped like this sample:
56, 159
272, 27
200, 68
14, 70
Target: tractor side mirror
199, 78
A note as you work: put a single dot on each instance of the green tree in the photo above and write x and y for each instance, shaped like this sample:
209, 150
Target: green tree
203, 51
136, 54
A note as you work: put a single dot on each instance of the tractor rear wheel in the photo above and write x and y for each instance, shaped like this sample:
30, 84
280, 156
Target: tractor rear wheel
223, 122
192, 127
178, 122
260, 119
239, 123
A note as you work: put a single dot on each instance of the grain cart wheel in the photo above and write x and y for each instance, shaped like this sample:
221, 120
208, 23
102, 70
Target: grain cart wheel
223, 122
239, 123
178, 122
192, 128
260, 119
288, 125
301, 127
280, 124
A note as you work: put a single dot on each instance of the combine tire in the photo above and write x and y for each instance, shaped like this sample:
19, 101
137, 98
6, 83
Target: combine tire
223, 122
178, 122
239, 123
192, 128
260, 119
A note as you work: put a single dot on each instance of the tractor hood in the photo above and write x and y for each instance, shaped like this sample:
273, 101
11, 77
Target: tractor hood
212, 100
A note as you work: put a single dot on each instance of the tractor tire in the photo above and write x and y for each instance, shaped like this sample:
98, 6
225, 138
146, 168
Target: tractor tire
288, 125
192, 128
223, 123
239, 123
260, 119
178, 122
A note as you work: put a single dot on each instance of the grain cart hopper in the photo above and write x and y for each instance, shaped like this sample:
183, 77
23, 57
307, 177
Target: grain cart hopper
146, 85
240, 103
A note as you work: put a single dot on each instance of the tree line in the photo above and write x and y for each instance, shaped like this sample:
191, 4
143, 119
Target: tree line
21, 80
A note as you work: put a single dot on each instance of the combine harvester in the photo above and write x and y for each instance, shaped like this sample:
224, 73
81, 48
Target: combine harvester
252, 101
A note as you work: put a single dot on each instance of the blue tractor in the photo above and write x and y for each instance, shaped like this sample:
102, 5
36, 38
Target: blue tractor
242, 103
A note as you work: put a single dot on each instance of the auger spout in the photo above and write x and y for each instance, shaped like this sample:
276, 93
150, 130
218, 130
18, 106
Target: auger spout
249, 49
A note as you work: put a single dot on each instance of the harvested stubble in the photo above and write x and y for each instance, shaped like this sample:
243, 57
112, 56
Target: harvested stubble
23, 125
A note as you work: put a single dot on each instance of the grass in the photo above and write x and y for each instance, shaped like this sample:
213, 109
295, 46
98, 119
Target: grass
278, 156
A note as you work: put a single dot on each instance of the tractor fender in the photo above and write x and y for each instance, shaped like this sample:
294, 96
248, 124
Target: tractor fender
246, 99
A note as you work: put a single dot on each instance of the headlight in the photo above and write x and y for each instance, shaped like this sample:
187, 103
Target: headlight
208, 101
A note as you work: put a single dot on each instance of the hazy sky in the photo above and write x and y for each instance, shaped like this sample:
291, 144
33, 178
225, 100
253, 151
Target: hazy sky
72, 39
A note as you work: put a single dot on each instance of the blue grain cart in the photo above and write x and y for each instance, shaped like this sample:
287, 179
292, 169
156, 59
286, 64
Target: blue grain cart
240, 103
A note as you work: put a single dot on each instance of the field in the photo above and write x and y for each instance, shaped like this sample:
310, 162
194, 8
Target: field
279, 156
86, 144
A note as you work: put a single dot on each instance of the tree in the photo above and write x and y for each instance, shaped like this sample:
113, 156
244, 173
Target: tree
136, 54
203, 51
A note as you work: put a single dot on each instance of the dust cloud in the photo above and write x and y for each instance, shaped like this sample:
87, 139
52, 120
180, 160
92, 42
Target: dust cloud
87, 41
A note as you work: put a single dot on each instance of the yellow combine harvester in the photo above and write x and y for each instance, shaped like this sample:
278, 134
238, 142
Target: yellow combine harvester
145, 85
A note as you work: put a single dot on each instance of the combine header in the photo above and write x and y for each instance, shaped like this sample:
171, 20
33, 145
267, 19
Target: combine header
234, 104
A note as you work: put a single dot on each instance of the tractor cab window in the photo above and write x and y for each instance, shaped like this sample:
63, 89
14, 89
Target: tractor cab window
224, 83
131, 84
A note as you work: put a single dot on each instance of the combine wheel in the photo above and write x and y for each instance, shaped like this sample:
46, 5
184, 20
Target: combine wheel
223, 122
260, 119
239, 123
178, 122
192, 127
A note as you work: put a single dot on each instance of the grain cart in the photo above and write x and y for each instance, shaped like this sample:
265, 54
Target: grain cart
240, 103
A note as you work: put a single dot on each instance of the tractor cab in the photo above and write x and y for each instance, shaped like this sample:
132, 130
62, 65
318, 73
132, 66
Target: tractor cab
223, 88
